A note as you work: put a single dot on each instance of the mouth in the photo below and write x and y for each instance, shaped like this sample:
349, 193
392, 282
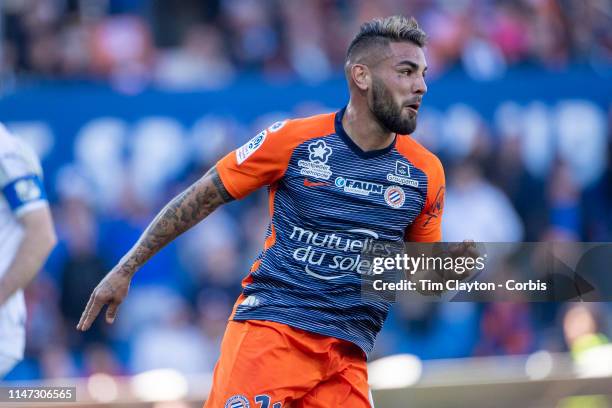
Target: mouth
413, 106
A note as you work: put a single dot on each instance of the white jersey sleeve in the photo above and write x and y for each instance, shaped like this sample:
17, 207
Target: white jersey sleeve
21, 184
21, 190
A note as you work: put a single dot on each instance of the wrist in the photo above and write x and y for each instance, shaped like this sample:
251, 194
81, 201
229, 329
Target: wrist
125, 270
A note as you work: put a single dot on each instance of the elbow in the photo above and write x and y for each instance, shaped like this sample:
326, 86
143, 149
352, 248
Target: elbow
48, 240
45, 240
51, 240
39, 233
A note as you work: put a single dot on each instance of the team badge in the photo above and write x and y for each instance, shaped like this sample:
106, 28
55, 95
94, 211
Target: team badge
394, 196
250, 147
237, 401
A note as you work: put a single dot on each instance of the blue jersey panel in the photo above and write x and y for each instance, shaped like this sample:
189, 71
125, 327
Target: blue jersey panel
332, 203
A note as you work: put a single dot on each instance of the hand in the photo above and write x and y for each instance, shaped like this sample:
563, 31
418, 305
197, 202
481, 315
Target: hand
440, 275
465, 249
110, 291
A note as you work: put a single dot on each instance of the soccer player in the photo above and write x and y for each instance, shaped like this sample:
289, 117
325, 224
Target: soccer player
26, 238
300, 331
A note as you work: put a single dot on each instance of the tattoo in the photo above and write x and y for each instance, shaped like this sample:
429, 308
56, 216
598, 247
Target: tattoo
183, 212
436, 208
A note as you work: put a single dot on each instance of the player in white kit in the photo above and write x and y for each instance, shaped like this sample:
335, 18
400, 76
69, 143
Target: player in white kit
26, 238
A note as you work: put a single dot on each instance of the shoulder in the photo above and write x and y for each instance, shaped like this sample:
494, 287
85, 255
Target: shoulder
281, 138
7, 141
16, 158
419, 156
301, 129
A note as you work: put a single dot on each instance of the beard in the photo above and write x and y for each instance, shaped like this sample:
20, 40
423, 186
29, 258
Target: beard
388, 113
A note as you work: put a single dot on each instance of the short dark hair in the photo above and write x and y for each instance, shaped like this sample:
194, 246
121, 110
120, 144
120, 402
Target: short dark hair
382, 31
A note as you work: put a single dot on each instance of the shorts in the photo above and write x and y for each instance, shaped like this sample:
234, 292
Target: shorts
271, 365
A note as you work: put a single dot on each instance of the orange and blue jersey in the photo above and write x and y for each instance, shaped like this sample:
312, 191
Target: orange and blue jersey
329, 200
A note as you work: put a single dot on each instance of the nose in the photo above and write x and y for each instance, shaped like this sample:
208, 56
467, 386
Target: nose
419, 86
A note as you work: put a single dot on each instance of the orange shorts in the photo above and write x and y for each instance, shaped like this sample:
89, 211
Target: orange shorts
271, 365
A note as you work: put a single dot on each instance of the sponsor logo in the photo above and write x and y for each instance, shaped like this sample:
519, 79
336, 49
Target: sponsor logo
251, 301
309, 183
250, 147
237, 401
358, 186
318, 154
402, 175
277, 126
330, 256
395, 197
402, 169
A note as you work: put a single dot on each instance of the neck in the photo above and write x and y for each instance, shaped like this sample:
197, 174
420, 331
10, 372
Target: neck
364, 130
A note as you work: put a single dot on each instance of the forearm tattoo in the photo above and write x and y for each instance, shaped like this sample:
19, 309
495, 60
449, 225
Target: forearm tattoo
183, 212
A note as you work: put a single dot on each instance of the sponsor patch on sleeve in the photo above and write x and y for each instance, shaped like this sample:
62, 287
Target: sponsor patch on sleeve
277, 126
250, 147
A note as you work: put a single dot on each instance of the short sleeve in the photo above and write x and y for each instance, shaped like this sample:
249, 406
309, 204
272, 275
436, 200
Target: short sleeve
21, 177
13, 165
259, 162
427, 227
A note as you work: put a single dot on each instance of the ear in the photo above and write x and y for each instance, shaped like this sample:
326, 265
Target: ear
361, 76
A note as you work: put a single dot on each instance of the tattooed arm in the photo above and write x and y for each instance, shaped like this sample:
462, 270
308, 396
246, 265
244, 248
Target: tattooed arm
183, 212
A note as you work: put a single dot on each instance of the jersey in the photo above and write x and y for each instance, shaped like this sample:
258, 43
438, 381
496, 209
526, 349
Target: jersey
21, 190
329, 200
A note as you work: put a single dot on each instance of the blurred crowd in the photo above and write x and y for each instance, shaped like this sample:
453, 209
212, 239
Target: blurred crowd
200, 44
499, 187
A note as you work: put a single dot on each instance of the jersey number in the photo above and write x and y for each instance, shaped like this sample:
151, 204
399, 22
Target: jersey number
264, 401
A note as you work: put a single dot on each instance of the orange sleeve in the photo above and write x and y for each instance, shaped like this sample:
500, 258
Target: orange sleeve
427, 227
259, 162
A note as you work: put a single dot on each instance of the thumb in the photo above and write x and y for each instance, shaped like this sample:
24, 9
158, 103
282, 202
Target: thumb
111, 312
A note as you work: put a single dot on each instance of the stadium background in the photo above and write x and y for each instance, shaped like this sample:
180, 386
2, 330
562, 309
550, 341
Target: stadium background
129, 101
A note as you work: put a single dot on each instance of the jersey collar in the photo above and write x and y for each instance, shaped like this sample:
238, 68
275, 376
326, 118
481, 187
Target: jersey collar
349, 142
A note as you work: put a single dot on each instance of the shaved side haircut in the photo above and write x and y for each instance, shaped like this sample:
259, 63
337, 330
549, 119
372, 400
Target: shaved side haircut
375, 35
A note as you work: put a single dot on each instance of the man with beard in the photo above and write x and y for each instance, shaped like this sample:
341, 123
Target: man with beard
300, 331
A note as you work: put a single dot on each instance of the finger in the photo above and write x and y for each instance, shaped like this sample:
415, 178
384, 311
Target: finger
92, 313
453, 248
472, 249
85, 312
111, 312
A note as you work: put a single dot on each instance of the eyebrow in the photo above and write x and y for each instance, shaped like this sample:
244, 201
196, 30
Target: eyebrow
412, 64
